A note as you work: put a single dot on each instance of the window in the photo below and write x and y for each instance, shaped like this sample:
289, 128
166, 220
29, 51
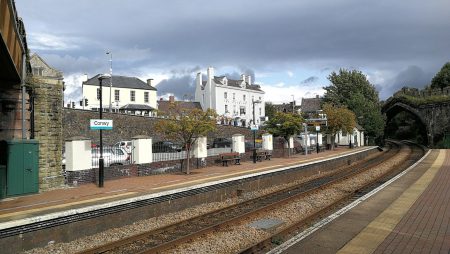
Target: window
226, 108
259, 111
132, 95
242, 110
243, 97
225, 95
117, 95
234, 96
260, 98
98, 93
146, 97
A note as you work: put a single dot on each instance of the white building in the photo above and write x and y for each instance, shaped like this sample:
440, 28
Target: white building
356, 138
128, 95
233, 100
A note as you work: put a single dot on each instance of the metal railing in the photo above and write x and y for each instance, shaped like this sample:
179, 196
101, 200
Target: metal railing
112, 156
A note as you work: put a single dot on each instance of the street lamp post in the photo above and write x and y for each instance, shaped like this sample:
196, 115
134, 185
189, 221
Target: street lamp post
254, 130
110, 80
317, 138
293, 103
101, 168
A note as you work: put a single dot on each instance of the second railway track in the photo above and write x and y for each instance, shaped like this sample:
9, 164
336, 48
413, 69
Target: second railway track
161, 239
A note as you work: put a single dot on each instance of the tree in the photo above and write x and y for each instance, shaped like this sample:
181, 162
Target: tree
352, 90
270, 110
442, 78
284, 125
339, 118
186, 126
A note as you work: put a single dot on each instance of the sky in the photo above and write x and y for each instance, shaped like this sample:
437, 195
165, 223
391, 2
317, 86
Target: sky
289, 47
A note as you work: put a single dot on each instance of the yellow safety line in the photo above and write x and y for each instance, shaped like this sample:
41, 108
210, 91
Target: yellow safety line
63, 205
374, 234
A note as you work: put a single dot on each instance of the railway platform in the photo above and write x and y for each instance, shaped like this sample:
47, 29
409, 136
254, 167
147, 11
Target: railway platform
20, 210
411, 214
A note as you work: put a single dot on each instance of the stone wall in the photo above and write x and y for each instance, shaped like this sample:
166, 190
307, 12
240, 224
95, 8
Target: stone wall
48, 94
76, 123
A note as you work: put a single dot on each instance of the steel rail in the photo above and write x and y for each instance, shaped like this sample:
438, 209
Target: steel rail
202, 224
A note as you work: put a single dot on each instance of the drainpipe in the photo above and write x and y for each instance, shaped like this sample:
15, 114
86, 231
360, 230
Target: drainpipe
24, 133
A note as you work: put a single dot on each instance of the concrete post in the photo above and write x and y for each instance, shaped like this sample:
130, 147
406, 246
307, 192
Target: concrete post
238, 143
141, 150
267, 139
199, 149
78, 154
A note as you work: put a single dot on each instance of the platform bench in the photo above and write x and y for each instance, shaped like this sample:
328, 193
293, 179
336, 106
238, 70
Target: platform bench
230, 157
263, 154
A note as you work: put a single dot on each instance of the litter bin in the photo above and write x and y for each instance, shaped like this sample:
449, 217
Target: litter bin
2, 181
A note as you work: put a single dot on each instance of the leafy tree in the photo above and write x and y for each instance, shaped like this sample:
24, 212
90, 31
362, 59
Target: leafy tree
284, 125
442, 78
353, 90
270, 109
339, 118
186, 126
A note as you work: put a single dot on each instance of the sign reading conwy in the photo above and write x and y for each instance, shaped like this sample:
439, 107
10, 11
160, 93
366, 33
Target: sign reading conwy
101, 124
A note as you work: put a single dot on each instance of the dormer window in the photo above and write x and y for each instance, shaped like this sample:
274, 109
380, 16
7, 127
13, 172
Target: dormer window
225, 81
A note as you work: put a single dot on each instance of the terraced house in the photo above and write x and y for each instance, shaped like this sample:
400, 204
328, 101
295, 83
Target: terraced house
128, 95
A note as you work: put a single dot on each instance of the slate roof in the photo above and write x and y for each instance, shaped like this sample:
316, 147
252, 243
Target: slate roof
120, 82
311, 104
137, 107
164, 106
234, 83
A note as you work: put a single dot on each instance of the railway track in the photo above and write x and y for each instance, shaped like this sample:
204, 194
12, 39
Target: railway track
158, 240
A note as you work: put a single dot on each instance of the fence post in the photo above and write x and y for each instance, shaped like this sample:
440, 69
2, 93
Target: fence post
238, 143
78, 154
267, 141
141, 150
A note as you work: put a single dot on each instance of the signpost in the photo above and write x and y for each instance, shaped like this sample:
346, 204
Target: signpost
254, 128
317, 138
101, 124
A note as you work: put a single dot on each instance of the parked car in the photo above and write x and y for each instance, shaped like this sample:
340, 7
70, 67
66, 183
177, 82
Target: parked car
111, 156
166, 147
125, 145
221, 142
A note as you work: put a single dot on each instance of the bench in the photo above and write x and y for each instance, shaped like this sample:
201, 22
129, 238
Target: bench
263, 154
229, 157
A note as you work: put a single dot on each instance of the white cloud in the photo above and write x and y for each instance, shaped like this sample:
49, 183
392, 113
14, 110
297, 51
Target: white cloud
42, 41
277, 94
290, 74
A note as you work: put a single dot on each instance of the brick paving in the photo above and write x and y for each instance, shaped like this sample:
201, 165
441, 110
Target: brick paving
425, 228
61, 199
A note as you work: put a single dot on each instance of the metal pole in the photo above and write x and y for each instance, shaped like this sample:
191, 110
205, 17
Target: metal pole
317, 142
100, 161
254, 134
110, 80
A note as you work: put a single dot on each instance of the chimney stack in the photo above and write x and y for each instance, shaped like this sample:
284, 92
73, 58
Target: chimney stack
210, 73
317, 96
149, 81
171, 98
249, 79
243, 77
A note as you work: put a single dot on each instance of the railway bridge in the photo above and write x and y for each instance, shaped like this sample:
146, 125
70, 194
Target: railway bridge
430, 108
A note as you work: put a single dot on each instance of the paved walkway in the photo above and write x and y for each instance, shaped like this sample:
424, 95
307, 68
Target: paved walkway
411, 215
113, 190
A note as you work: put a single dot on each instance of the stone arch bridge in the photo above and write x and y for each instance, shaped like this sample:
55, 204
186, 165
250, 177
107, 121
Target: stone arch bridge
434, 117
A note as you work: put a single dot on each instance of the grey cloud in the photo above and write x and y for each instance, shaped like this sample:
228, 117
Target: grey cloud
412, 76
322, 35
180, 86
311, 79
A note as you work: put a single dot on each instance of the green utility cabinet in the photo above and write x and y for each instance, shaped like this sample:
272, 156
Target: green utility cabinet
22, 167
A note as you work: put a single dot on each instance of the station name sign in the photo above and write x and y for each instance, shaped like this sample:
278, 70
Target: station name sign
101, 124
